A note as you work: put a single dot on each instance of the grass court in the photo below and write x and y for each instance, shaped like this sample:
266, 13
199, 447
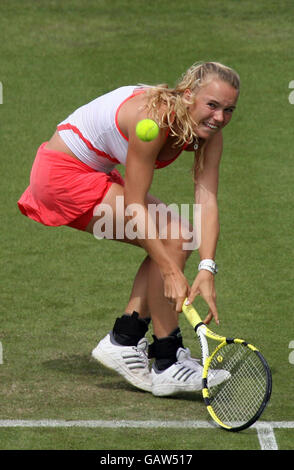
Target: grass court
61, 289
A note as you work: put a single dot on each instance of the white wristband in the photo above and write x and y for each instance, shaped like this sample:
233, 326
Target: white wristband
209, 265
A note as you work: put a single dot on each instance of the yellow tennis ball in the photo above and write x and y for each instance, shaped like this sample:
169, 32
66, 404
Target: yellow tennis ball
220, 358
147, 130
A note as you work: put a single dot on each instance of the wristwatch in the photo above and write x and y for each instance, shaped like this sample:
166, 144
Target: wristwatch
209, 265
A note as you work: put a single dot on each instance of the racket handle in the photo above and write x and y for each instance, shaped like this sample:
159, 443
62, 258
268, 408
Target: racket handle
191, 314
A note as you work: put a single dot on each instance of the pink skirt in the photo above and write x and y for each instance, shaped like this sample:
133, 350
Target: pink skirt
64, 190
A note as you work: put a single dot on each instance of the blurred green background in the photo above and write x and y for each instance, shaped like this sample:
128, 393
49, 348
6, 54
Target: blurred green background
61, 289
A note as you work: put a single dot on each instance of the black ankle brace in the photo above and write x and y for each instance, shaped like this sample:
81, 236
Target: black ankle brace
164, 350
129, 329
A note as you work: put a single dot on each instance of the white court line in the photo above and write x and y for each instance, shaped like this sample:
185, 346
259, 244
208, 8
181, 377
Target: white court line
266, 436
265, 432
52, 423
265, 429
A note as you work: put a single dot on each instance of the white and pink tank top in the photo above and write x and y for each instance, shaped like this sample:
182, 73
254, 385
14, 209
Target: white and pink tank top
92, 132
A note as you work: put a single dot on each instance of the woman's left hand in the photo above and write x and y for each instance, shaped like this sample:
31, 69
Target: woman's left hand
204, 285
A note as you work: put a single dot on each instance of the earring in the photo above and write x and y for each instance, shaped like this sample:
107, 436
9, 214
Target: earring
196, 145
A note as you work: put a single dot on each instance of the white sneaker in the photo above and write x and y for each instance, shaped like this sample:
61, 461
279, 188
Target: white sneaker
215, 377
195, 363
185, 375
129, 361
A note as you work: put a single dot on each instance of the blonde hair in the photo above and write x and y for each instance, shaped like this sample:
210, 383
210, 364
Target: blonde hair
169, 106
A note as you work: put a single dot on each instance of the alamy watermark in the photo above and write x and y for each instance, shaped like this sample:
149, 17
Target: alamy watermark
291, 101
1, 93
158, 221
1, 353
291, 355
291, 95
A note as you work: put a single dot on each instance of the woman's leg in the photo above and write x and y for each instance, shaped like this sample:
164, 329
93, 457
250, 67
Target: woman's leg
138, 301
147, 296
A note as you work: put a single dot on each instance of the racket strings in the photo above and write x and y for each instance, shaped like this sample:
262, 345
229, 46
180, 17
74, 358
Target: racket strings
238, 398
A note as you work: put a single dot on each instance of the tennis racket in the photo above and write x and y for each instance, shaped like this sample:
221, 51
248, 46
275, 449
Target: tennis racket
236, 379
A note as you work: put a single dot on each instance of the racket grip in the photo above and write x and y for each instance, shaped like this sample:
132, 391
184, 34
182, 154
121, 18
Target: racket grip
191, 314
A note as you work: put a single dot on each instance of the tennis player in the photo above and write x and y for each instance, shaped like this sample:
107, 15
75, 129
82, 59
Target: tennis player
75, 172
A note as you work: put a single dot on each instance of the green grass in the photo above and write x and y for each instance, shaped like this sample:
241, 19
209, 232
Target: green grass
61, 289
129, 439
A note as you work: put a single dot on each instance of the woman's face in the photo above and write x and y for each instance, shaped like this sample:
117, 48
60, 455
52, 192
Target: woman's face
213, 107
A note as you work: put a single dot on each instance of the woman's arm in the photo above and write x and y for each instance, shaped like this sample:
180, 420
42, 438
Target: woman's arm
206, 188
138, 178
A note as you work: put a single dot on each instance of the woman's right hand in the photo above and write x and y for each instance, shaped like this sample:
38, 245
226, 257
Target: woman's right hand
176, 287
